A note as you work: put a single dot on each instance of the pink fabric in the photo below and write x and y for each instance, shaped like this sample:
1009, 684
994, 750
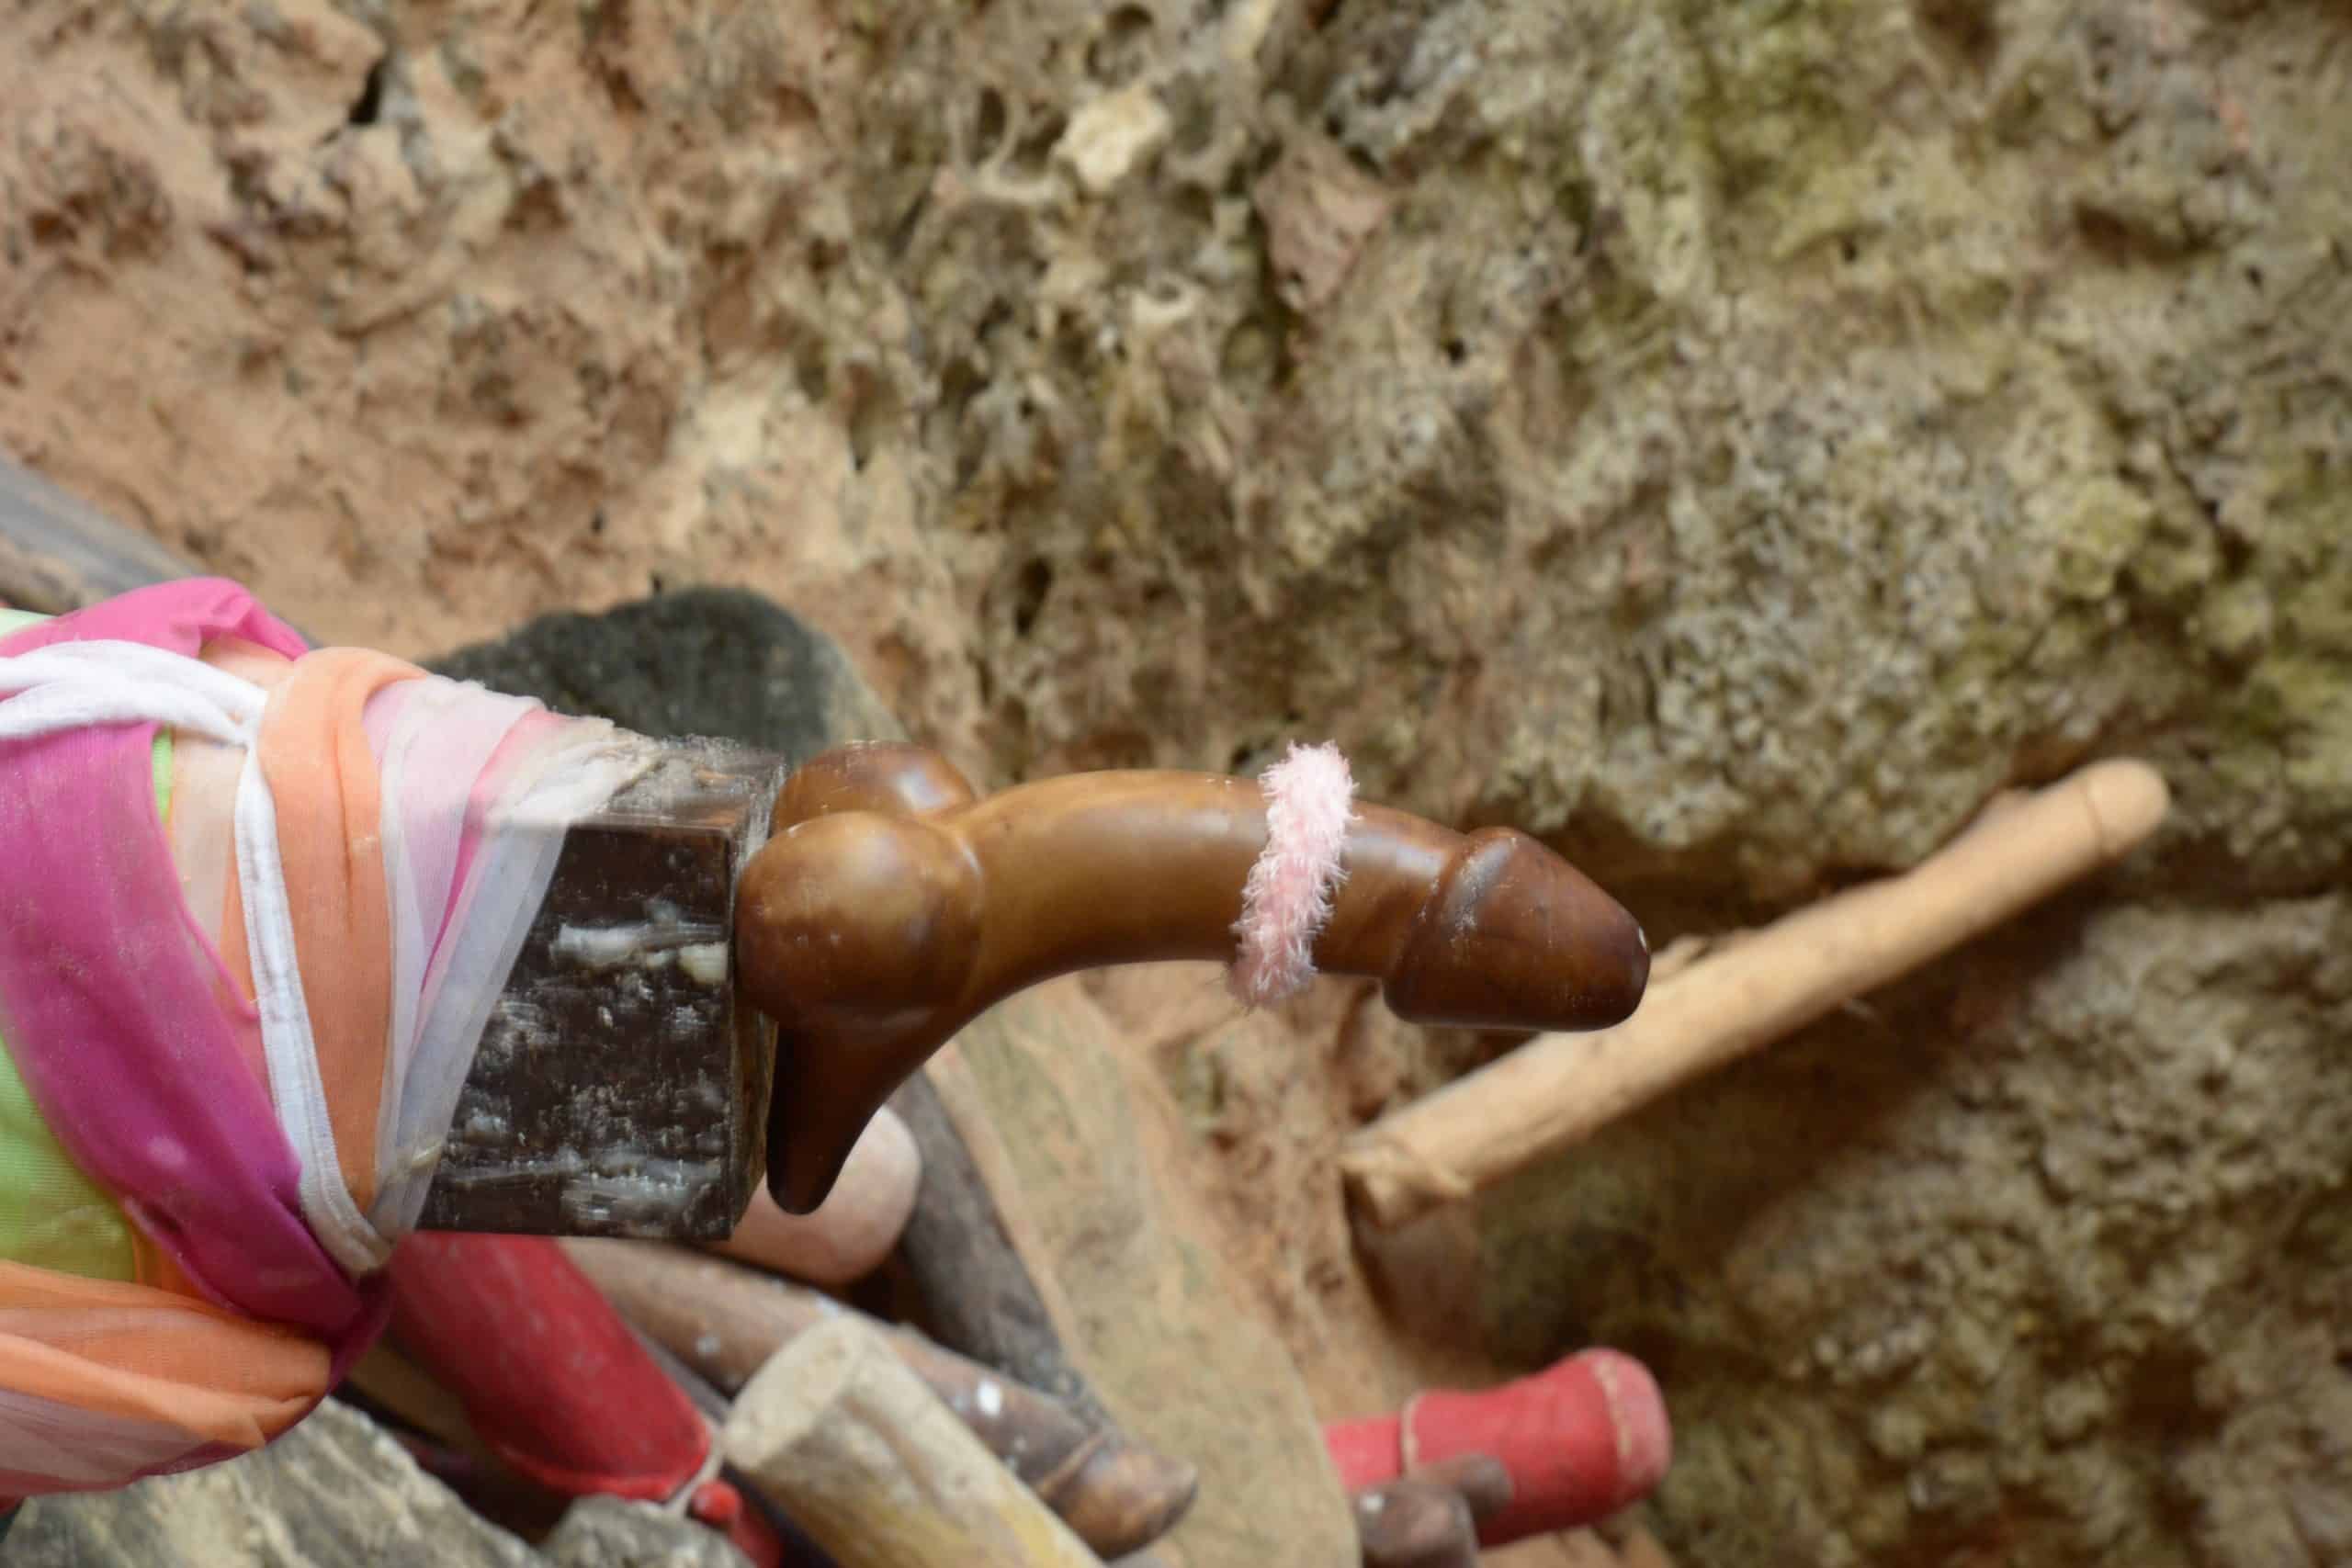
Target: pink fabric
1310, 800
383, 715
433, 741
119, 1013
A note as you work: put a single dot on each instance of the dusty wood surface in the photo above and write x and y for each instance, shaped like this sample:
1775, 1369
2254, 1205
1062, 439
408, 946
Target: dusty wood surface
1080, 1153
724, 1322
977, 1291
59, 553
877, 1470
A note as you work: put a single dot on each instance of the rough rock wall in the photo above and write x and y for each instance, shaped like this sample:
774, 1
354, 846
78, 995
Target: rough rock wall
334, 1490
1738, 436
2044, 1258
1730, 438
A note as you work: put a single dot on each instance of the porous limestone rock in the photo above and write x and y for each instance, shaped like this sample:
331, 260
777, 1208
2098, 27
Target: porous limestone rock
2043, 1256
334, 1492
610, 1532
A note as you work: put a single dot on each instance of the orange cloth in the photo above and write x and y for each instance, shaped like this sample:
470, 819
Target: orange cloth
322, 777
135, 1351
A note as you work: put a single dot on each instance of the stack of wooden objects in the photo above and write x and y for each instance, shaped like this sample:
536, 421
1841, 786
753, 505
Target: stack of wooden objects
733, 1382
814, 1432
621, 1085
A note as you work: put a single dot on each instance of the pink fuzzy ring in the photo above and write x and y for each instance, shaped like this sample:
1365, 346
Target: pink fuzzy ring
1310, 798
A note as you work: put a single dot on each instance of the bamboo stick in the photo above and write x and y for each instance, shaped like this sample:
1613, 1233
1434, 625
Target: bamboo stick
1561, 1089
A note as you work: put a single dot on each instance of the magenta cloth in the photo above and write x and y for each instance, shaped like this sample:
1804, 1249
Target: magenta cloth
113, 1002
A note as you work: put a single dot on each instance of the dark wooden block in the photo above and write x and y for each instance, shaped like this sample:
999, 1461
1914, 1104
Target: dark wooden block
694, 662
621, 1086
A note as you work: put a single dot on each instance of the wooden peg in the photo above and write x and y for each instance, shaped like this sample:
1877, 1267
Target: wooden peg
892, 907
1415, 1524
877, 1470
854, 1230
621, 1085
726, 1323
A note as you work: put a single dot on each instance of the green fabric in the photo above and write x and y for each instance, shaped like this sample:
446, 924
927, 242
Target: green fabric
52, 1216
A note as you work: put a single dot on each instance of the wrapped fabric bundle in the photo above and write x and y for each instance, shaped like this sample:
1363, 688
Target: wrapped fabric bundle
251, 927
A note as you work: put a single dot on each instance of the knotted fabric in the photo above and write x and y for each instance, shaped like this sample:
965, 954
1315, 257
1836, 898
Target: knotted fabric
258, 903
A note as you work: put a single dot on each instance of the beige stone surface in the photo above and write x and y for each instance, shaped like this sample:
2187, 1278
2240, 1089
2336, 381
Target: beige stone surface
336, 1490
1091, 1166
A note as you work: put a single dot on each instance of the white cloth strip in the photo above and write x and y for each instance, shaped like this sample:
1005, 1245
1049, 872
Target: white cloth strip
288, 1046
80, 685
415, 910
411, 920
103, 700
446, 734
233, 694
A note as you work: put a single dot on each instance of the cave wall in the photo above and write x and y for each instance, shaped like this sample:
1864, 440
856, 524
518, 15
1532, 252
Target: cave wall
1729, 440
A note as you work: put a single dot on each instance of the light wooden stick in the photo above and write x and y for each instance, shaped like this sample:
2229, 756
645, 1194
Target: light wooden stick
852, 1231
1561, 1089
726, 1323
874, 1466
